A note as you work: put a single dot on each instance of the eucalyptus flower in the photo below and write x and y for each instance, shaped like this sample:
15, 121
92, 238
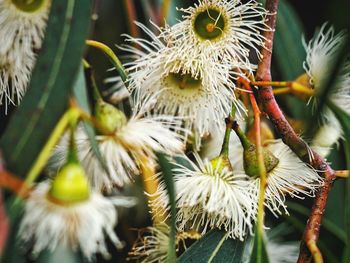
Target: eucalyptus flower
124, 144
222, 29
208, 195
196, 88
22, 26
286, 173
65, 212
152, 246
322, 52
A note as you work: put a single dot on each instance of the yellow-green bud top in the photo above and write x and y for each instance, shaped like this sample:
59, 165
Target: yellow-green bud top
29, 6
220, 163
70, 185
108, 117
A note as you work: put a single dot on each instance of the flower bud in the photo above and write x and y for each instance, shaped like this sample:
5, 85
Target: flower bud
109, 118
29, 6
70, 185
250, 161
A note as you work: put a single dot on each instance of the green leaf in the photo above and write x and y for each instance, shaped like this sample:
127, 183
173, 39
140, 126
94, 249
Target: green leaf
167, 174
299, 225
289, 52
51, 83
259, 253
214, 246
344, 120
327, 224
59, 255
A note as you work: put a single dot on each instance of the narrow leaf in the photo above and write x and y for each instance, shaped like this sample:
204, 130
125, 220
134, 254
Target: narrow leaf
344, 120
50, 86
166, 169
214, 247
289, 52
259, 253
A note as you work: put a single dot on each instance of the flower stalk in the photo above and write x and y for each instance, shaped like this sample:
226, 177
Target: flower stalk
108, 52
300, 147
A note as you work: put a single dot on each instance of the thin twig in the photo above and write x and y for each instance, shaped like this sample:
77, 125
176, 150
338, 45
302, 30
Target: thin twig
342, 173
289, 137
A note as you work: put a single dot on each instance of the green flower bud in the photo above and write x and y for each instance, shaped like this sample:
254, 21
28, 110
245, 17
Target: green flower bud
209, 24
70, 185
109, 118
250, 161
29, 6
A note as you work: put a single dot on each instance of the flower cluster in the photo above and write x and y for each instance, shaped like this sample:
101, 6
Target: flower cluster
190, 67
182, 84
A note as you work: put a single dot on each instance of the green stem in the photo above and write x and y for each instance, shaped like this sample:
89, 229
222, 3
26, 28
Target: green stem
242, 137
72, 156
112, 57
45, 153
229, 125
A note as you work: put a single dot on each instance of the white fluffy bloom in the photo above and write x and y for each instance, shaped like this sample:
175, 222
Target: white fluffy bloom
210, 195
138, 139
196, 88
21, 33
290, 176
79, 226
322, 52
152, 246
224, 29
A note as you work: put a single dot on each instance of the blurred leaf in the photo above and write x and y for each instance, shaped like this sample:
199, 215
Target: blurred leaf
50, 86
344, 120
327, 253
214, 246
326, 223
167, 174
184, 162
289, 52
259, 253
61, 254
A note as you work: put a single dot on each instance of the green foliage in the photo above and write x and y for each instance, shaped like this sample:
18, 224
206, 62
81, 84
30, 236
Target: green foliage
167, 174
259, 253
216, 247
345, 122
50, 86
289, 52
46, 99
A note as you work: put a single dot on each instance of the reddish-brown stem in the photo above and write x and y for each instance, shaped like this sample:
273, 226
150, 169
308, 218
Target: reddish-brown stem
289, 137
4, 224
13, 183
130, 9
